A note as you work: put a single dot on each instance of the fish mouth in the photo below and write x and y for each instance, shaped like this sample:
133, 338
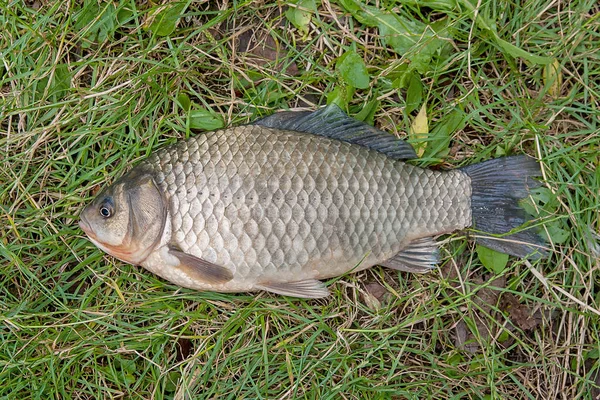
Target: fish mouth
85, 226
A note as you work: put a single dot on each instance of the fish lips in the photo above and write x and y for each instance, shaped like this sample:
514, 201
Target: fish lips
85, 226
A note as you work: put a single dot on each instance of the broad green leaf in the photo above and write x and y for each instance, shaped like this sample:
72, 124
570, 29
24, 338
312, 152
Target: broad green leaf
62, 80
493, 260
41, 86
300, 13
553, 78
414, 93
414, 40
401, 76
545, 202
500, 152
163, 19
437, 5
468, 8
184, 101
441, 133
341, 96
419, 128
367, 114
430, 46
171, 382
353, 70
87, 14
454, 359
543, 194
351, 6
399, 33
57, 86
504, 335
557, 234
127, 365
518, 52
594, 353
125, 15
96, 23
489, 26
204, 119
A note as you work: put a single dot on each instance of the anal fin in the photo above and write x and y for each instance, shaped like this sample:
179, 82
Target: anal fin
202, 270
307, 289
421, 255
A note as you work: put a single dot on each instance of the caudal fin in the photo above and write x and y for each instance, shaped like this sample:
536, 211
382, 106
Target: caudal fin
497, 187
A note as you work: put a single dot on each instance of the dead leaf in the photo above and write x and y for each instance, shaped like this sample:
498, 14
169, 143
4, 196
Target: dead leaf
184, 348
485, 299
467, 340
461, 334
374, 295
520, 315
553, 78
419, 130
260, 46
450, 273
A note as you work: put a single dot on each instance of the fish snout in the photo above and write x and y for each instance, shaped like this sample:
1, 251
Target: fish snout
84, 225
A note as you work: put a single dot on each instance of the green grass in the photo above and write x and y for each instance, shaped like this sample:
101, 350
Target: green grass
88, 90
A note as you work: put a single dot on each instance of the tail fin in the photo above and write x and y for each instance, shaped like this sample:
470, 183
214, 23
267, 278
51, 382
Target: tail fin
497, 187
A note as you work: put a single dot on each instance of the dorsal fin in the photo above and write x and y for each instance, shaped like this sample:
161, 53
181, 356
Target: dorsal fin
333, 123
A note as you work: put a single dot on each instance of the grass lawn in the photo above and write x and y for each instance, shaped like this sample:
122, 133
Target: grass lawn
87, 88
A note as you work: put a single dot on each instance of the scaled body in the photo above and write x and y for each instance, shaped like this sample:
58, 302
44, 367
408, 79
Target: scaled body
255, 207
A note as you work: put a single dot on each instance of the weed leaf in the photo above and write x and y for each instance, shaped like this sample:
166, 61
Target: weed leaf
414, 93
353, 70
518, 52
493, 260
204, 119
441, 134
367, 114
184, 101
96, 23
419, 130
300, 14
412, 39
162, 20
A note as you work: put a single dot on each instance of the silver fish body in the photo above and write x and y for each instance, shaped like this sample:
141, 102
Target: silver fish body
254, 207
277, 205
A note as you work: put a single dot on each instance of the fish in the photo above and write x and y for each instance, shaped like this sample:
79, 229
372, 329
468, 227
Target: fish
298, 197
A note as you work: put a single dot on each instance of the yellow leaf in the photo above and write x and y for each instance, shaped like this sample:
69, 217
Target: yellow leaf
553, 78
419, 130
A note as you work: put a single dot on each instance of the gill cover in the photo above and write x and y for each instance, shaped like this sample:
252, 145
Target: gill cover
147, 215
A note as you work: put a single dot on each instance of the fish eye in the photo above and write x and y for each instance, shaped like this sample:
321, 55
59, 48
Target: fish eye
106, 208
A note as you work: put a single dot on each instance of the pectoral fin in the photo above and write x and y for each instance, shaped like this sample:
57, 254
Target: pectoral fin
421, 255
308, 289
200, 269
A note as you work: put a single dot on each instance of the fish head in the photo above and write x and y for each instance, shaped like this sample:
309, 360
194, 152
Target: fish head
127, 219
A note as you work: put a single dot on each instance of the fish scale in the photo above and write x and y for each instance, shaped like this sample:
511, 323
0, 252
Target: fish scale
301, 196
299, 205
